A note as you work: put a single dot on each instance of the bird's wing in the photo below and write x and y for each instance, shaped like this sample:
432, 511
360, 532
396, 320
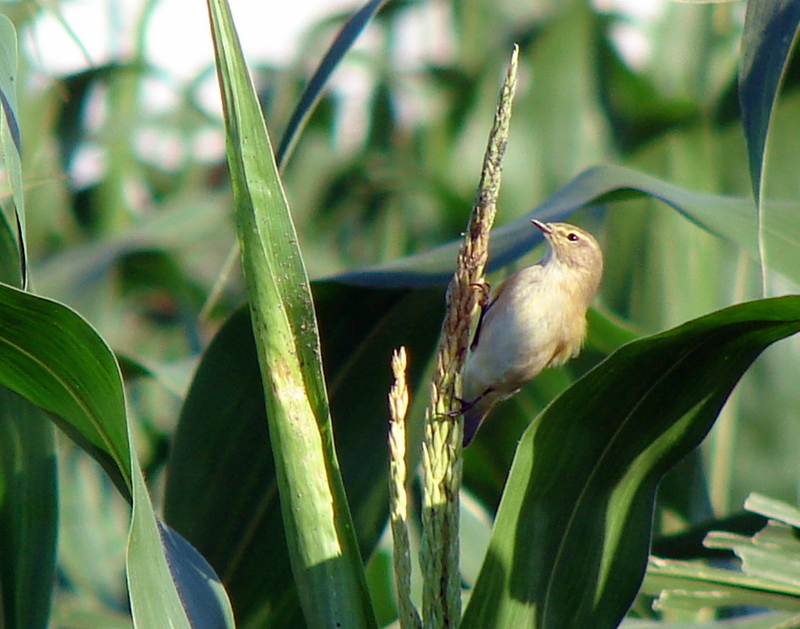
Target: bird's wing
484, 310
476, 411
530, 275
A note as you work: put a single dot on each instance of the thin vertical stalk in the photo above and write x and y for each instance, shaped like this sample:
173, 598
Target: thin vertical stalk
444, 426
398, 406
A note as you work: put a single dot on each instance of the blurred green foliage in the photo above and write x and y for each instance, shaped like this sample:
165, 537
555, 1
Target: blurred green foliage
139, 243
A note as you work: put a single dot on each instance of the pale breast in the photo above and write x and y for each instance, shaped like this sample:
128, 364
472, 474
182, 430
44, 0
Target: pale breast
532, 325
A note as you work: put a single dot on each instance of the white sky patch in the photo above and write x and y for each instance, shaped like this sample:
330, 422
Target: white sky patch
632, 43
88, 165
631, 38
178, 38
178, 46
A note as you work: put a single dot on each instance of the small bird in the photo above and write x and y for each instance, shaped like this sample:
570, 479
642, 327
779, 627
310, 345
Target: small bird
535, 319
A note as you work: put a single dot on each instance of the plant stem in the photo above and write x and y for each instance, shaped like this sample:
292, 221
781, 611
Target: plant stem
444, 426
398, 405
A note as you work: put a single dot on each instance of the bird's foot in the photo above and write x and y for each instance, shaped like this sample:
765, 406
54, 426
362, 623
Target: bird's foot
461, 410
485, 290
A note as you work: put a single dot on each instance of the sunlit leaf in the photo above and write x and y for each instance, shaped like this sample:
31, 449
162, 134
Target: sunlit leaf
54, 358
571, 537
223, 423
11, 142
322, 544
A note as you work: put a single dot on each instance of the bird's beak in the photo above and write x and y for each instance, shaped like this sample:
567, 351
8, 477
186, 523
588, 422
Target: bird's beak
545, 227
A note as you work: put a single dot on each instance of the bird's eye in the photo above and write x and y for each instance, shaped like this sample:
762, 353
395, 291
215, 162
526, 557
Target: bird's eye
572, 236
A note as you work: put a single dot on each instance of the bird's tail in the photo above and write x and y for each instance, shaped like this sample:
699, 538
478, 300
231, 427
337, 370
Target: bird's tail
474, 414
472, 421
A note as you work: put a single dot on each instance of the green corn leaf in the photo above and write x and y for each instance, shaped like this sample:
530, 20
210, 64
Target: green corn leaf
322, 543
52, 357
28, 493
11, 142
28, 513
223, 422
728, 217
571, 538
770, 29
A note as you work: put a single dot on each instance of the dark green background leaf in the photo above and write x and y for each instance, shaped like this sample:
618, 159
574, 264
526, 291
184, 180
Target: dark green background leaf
221, 462
28, 513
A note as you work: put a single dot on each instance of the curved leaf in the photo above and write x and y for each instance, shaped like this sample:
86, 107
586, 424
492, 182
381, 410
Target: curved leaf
28, 492
200, 589
155, 601
55, 359
770, 29
8, 90
571, 537
730, 218
11, 143
313, 90
52, 357
169, 580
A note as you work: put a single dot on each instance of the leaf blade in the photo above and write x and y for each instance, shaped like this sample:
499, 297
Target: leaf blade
28, 513
729, 218
322, 543
52, 357
574, 492
770, 29
313, 91
11, 140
